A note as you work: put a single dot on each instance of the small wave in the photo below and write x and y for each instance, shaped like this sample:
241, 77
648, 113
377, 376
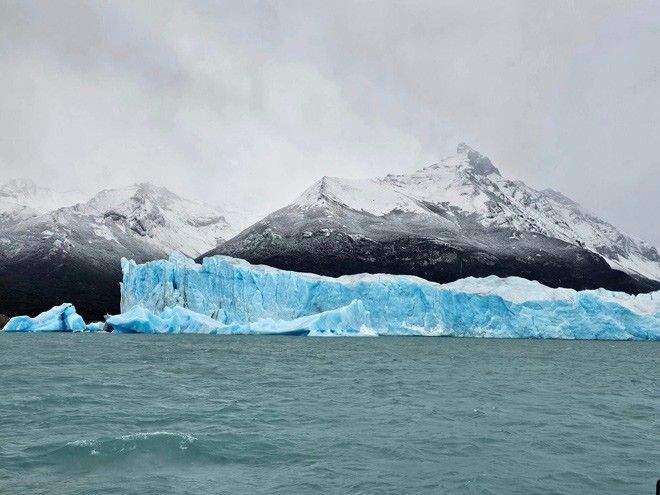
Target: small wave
80, 443
153, 436
141, 436
164, 445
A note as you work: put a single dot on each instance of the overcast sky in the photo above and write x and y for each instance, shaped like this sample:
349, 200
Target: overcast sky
249, 102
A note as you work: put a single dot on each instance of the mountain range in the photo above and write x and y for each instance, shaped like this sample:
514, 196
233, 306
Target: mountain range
457, 218
54, 248
454, 219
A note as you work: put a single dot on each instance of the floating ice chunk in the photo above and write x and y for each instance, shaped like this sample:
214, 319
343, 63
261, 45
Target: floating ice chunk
351, 320
61, 318
245, 298
97, 326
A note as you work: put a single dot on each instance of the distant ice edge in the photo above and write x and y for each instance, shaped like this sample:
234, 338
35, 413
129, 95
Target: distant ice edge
225, 295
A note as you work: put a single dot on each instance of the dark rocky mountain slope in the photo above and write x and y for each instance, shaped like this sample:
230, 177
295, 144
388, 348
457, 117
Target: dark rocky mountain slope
451, 220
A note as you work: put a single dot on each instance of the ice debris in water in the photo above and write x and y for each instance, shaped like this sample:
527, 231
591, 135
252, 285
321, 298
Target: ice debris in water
227, 295
62, 318
97, 326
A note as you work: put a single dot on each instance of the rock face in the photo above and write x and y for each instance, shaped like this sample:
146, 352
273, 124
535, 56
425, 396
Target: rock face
229, 296
73, 253
454, 219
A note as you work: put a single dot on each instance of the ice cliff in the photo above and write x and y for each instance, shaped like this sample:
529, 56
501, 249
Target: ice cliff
227, 295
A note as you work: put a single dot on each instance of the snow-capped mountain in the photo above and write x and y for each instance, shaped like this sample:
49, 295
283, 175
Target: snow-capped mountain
41, 199
21, 199
456, 218
470, 183
151, 214
72, 253
159, 217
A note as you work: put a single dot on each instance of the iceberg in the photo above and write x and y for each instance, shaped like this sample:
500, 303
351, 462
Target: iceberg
224, 295
97, 326
62, 318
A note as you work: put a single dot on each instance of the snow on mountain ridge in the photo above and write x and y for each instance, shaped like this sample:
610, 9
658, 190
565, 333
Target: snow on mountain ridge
367, 195
25, 192
161, 218
150, 214
468, 185
12, 213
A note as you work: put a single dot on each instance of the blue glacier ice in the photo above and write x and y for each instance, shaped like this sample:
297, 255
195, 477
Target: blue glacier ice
224, 295
348, 320
97, 326
62, 318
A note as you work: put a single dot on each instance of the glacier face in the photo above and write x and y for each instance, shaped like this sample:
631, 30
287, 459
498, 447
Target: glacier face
228, 295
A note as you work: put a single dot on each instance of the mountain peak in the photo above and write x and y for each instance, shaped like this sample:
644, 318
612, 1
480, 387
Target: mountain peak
148, 188
463, 149
478, 162
316, 194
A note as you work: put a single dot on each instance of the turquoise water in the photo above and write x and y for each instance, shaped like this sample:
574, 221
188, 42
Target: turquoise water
110, 414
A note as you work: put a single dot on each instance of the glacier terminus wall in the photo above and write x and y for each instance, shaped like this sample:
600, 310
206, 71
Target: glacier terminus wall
228, 295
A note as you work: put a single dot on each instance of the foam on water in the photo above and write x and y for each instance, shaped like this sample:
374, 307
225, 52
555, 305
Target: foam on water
161, 446
184, 438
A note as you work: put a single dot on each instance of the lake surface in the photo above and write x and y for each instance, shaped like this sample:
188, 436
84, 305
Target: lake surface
120, 414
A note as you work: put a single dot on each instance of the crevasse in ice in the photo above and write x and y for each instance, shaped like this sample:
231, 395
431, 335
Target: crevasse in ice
227, 295
62, 318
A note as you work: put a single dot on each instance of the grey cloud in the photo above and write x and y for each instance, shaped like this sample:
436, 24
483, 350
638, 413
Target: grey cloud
90, 36
249, 102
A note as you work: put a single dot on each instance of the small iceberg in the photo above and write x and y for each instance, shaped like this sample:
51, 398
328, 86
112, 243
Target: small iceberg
97, 326
62, 318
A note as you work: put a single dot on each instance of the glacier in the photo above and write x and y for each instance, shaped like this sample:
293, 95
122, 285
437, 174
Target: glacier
225, 295
228, 296
62, 318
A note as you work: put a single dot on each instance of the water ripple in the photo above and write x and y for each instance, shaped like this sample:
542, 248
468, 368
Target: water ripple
303, 416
